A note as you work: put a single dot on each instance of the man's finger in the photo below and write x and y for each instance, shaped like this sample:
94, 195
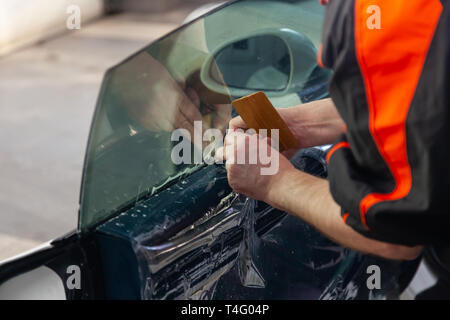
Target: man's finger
225, 153
237, 123
232, 136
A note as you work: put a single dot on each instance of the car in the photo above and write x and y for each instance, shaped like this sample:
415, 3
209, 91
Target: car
152, 229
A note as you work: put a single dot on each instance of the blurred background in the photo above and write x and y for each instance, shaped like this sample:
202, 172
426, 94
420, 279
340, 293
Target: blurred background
50, 75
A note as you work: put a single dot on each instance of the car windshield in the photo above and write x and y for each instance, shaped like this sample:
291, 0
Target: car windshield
192, 75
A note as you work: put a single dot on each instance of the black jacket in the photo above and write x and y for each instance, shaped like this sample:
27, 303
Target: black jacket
390, 171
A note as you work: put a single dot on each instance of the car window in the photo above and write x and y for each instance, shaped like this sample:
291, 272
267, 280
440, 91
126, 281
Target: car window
192, 75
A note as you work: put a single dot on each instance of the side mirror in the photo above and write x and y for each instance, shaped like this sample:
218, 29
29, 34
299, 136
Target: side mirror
278, 62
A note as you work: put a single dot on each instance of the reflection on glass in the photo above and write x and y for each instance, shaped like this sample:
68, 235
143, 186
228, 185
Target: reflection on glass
144, 100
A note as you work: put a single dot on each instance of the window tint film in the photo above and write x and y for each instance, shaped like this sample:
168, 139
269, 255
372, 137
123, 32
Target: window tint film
192, 75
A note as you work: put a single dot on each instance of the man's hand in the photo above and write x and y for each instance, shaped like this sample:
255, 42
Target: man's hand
253, 166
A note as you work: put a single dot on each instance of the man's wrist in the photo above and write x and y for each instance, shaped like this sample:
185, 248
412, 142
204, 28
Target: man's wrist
297, 125
315, 123
278, 184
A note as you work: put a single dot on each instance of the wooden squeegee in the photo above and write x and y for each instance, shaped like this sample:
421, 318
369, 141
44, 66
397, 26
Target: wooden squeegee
258, 113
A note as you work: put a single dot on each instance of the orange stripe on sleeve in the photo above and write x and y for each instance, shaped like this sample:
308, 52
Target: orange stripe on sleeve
345, 216
391, 61
335, 148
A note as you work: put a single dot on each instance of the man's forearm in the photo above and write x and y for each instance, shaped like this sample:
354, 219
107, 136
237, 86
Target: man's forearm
315, 123
309, 198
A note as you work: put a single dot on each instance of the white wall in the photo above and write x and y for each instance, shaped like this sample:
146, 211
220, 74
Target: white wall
23, 22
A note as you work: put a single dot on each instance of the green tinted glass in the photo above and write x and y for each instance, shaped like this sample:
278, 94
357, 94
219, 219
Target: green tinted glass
191, 75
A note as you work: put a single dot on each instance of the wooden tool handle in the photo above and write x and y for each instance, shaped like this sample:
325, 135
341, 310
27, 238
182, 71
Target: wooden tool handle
258, 113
